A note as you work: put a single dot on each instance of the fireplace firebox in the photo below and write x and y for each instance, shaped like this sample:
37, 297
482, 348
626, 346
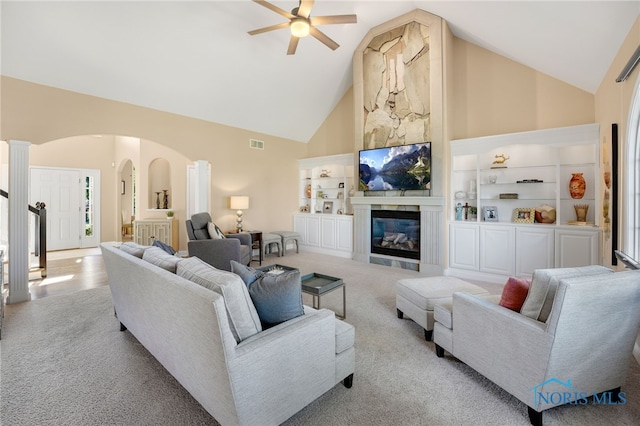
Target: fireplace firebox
396, 233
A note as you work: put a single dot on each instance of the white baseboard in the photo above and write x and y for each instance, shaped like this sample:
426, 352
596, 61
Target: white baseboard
330, 252
476, 276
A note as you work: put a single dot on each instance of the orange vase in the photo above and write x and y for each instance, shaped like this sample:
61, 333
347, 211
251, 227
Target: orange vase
577, 186
308, 191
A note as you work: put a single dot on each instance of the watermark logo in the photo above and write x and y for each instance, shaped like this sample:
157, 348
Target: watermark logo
564, 393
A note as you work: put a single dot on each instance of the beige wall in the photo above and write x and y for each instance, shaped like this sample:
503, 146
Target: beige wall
337, 133
494, 95
41, 114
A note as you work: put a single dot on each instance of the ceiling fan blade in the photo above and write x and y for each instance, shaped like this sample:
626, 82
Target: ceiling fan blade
305, 8
293, 45
269, 28
334, 19
323, 38
275, 9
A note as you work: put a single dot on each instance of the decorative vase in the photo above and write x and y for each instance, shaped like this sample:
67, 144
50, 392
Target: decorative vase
165, 199
577, 186
581, 212
307, 191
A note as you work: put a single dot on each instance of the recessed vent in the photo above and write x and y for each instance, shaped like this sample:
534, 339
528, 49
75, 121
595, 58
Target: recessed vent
256, 144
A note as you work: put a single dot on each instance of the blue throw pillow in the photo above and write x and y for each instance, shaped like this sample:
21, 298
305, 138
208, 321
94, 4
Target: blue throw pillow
164, 247
277, 297
248, 274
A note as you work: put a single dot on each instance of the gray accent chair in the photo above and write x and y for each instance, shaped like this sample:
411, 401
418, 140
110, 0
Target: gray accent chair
217, 252
581, 345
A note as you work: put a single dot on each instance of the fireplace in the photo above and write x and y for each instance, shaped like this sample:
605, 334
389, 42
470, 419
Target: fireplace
396, 233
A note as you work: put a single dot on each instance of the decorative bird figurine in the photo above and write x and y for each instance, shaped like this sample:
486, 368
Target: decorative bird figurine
500, 159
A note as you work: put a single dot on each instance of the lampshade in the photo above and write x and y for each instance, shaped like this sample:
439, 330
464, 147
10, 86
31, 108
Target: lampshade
239, 202
299, 27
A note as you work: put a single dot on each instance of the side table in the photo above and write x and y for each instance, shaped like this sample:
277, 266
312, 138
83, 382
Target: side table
256, 243
319, 284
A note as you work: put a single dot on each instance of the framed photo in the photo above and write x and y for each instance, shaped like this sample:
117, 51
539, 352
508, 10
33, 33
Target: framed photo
327, 207
490, 213
341, 185
524, 215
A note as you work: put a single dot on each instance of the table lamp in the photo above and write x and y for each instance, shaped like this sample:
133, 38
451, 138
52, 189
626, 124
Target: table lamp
239, 203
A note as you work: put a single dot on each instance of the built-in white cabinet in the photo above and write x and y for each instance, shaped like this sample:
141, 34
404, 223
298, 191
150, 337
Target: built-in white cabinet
535, 249
497, 183
463, 247
493, 252
325, 221
325, 183
577, 247
327, 233
527, 170
165, 230
497, 248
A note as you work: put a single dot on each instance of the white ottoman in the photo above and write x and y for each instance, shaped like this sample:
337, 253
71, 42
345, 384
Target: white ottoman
416, 297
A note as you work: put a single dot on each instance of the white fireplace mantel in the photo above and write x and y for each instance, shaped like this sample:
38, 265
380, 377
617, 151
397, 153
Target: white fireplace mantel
431, 228
398, 201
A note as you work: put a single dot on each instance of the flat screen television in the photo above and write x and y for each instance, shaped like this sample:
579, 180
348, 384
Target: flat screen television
396, 168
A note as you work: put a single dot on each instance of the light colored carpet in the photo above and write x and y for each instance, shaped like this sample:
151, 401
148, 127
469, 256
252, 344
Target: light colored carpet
65, 362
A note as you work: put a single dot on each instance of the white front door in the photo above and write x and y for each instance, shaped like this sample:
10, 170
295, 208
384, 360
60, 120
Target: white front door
62, 192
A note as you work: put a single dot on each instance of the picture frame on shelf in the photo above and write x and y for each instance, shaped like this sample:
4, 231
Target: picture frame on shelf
327, 207
490, 213
524, 215
341, 185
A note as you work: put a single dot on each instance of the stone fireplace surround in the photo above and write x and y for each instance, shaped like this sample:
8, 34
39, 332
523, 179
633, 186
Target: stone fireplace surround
432, 230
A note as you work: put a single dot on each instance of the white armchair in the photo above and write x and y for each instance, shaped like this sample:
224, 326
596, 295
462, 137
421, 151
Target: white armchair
582, 349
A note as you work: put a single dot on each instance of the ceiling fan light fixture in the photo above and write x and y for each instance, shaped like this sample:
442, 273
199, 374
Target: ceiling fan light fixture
299, 27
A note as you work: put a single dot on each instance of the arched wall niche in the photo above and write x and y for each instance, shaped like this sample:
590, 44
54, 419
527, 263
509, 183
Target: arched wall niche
160, 184
399, 85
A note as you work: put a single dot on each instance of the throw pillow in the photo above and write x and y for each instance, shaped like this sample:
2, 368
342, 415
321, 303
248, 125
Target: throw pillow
248, 274
543, 288
243, 318
277, 297
514, 293
159, 257
214, 232
164, 247
133, 249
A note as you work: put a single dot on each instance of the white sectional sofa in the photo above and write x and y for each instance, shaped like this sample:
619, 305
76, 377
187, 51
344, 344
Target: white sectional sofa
262, 379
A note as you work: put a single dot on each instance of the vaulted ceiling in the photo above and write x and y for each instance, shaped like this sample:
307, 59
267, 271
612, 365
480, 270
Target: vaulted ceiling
196, 58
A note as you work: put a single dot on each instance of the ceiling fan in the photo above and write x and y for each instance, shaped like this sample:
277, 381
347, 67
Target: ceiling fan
302, 24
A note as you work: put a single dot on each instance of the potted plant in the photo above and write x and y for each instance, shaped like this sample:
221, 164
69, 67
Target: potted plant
473, 212
169, 214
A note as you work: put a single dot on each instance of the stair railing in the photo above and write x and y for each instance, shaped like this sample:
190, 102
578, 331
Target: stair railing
40, 234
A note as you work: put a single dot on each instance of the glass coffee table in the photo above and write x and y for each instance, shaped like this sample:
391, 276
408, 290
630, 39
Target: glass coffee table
315, 284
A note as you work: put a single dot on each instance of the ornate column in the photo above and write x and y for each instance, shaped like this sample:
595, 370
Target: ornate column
18, 222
